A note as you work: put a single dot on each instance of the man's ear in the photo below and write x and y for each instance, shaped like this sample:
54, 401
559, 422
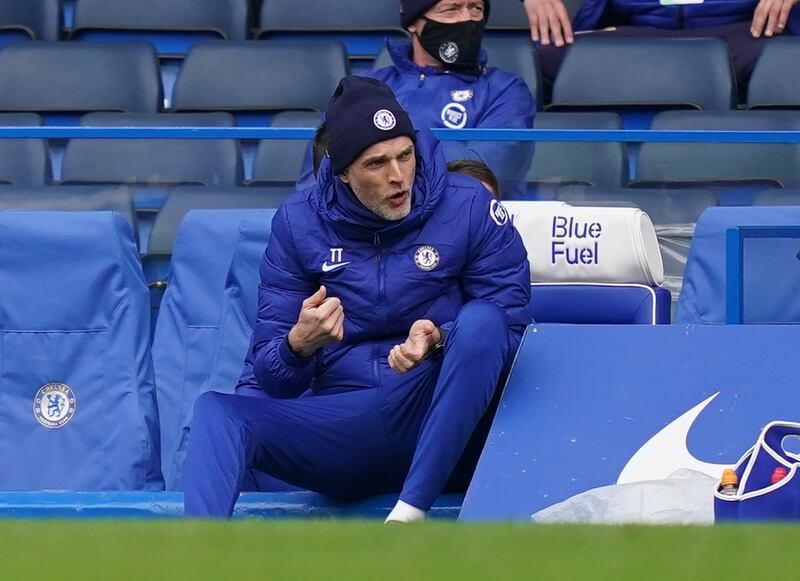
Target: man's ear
343, 177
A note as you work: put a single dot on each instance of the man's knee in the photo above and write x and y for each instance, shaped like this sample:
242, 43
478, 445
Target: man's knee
480, 317
211, 406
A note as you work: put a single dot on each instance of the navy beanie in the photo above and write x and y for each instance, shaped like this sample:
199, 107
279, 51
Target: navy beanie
412, 10
362, 112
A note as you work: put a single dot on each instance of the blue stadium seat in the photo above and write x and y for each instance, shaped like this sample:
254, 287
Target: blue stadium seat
62, 77
736, 170
361, 26
603, 73
29, 20
623, 288
600, 304
509, 54
772, 84
771, 280
278, 161
71, 198
173, 26
588, 163
180, 200
186, 334
23, 161
259, 76
79, 404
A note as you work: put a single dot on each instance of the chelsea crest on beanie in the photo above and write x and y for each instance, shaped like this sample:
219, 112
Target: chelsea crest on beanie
412, 10
362, 112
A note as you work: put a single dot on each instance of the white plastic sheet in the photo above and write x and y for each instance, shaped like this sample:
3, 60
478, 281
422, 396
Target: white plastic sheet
685, 498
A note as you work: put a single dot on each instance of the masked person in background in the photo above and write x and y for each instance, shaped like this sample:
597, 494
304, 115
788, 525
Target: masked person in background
442, 79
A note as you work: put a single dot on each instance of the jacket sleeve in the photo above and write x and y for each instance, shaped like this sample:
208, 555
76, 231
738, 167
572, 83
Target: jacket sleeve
512, 108
497, 268
284, 285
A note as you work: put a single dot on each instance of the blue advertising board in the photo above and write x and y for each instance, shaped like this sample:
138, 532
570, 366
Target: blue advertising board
592, 405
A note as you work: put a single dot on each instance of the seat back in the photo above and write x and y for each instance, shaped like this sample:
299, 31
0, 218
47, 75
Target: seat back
76, 388
616, 73
183, 199
211, 162
750, 166
186, 334
592, 265
76, 77
771, 84
280, 160
33, 19
259, 76
592, 163
674, 213
71, 198
23, 161
223, 18
770, 277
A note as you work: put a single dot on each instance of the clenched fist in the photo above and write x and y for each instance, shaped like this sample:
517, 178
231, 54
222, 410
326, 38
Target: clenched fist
321, 322
422, 336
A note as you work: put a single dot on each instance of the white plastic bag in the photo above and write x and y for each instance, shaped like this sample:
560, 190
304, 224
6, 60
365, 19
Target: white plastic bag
685, 498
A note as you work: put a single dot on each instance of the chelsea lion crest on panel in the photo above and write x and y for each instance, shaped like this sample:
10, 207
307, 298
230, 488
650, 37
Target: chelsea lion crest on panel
426, 257
54, 405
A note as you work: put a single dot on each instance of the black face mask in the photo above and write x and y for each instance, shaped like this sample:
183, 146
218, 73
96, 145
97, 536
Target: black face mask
457, 45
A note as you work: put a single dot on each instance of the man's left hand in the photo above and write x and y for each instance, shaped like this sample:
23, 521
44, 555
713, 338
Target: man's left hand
770, 17
422, 336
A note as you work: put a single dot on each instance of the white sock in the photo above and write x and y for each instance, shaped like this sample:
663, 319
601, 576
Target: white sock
404, 512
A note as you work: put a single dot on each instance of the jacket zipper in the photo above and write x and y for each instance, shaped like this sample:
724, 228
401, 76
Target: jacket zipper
421, 80
376, 348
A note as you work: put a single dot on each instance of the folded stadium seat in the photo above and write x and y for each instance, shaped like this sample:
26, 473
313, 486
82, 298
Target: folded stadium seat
772, 85
509, 19
673, 212
588, 163
771, 276
278, 161
777, 198
172, 26
77, 395
736, 171
29, 20
256, 78
23, 161
361, 26
595, 265
603, 73
68, 79
178, 203
187, 329
152, 166
72, 198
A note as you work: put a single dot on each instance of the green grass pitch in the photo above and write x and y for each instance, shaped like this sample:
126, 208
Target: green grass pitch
368, 550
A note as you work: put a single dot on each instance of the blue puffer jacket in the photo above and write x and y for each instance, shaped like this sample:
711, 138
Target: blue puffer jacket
595, 14
494, 99
382, 289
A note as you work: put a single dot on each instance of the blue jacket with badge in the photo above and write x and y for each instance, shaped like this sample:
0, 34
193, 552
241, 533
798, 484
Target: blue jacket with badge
594, 14
457, 244
494, 99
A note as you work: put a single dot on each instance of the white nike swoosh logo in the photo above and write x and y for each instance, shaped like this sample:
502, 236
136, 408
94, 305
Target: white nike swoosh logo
330, 267
667, 452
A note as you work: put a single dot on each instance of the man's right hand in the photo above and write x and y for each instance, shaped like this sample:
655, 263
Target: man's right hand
549, 18
321, 322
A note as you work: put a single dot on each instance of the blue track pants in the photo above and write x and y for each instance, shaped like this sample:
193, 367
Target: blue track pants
354, 443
